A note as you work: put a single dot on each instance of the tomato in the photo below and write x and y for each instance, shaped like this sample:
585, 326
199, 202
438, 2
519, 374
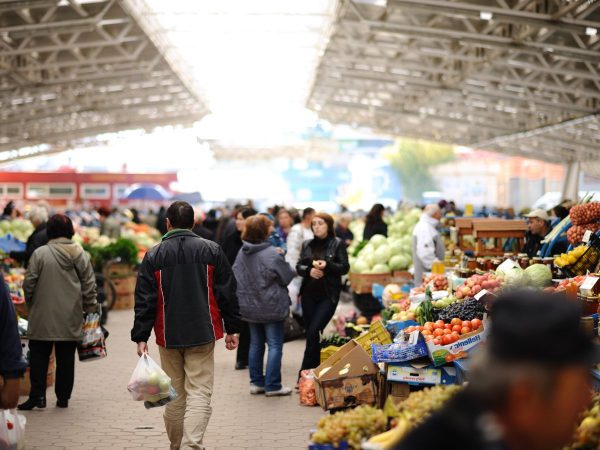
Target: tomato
428, 338
421, 328
447, 340
467, 323
476, 323
426, 332
438, 332
456, 321
456, 337
457, 328
428, 323
438, 341
428, 326
439, 324
447, 327
456, 333
447, 332
465, 330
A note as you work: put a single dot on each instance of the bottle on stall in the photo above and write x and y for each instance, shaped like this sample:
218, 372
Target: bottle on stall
437, 267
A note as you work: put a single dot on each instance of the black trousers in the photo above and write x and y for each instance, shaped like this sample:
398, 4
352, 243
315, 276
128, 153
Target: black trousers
243, 349
39, 357
317, 312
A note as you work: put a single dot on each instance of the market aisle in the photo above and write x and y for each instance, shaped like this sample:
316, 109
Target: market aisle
102, 415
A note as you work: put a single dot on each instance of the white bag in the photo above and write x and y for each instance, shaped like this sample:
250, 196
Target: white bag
149, 383
12, 430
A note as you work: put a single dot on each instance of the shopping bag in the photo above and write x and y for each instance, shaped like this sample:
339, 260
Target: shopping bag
307, 388
12, 430
92, 345
292, 330
150, 384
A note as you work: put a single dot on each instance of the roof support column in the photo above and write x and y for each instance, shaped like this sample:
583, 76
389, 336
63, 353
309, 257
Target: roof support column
571, 185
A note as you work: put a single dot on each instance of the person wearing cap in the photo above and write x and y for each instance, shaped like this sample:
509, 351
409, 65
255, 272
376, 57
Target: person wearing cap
527, 386
539, 226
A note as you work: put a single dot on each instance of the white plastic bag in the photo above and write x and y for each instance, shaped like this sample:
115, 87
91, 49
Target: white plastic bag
149, 383
12, 430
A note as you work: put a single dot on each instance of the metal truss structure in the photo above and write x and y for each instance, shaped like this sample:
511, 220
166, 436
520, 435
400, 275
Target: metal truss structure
73, 69
517, 76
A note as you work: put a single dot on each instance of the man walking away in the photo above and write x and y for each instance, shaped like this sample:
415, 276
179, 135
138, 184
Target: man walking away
186, 291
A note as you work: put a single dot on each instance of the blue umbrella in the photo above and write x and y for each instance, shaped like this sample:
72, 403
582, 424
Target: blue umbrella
147, 192
190, 197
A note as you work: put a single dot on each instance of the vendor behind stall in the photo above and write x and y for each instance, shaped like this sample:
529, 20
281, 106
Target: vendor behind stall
538, 222
527, 386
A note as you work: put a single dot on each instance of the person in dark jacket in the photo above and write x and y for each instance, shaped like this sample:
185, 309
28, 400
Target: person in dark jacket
38, 216
12, 363
374, 223
322, 263
232, 243
262, 277
342, 231
185, 290
200, 229
528, 385
161, 220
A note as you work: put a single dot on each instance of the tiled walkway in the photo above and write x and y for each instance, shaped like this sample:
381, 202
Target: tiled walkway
102, 414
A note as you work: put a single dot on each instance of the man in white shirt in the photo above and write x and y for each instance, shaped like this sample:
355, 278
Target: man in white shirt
298, 234
427, 242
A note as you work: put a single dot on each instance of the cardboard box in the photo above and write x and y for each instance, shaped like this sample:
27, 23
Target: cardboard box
420, 373
445, 354
350, 378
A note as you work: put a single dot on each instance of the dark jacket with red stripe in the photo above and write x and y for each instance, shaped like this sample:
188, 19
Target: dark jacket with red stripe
185, 290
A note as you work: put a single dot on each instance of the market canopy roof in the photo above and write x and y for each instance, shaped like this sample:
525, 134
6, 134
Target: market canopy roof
71, 69
516, 76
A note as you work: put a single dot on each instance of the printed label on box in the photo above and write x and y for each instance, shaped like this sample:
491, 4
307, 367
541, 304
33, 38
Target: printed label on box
408, 374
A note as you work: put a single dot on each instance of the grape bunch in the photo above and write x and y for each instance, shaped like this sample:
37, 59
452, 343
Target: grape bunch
587, 435
420, 404
586, 213
468, 309
352, 426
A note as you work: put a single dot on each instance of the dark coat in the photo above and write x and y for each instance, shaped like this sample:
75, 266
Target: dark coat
185, 290
373, 228
36, 240
457, 426
262, 277
336, 258
12, 363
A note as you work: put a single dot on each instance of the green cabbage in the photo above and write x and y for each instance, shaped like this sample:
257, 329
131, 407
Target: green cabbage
400, 262
360, 266
516, 277
383, 254
380, 268
378, 240
539, 275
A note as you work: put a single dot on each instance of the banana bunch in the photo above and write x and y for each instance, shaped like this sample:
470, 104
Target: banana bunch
390, 438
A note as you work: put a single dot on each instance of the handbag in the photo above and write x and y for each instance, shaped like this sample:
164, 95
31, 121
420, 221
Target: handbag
93, 345
292, 330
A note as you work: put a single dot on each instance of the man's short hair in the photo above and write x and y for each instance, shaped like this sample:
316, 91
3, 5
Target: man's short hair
38, 214
59, 226
307, 212
181, 215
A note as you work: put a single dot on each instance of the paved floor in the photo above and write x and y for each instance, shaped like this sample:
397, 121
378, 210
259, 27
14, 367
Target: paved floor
102, 414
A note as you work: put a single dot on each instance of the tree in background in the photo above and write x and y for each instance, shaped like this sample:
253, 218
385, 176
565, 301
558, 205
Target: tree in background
411, 159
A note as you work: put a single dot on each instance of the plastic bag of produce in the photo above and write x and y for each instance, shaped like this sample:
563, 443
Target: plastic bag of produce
12, 430
307, 390
149, 383
92, 345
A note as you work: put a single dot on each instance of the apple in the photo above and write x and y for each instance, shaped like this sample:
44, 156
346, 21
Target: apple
164, 384
152, 390
153, 379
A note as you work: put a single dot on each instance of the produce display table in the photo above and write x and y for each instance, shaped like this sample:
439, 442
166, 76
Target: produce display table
498, 229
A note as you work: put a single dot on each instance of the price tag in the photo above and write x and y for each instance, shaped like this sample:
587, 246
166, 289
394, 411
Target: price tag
507, 265
413, 337
589, 283
480, 294
586, 236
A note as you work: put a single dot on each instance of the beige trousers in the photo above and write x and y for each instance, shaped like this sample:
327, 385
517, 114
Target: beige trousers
192, 375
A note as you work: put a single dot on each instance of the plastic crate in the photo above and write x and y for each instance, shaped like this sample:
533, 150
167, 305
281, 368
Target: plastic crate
377, 334
587, 262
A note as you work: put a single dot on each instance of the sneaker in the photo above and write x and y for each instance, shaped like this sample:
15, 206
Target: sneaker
281, 392
255, 390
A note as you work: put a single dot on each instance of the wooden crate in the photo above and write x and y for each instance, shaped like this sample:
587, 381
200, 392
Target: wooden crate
119, 271
124, 301
124, 286
363, 283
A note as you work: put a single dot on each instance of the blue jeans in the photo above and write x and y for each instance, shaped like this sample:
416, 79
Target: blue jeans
272, 335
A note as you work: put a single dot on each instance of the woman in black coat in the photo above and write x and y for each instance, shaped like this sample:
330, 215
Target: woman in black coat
322, 263
374, 222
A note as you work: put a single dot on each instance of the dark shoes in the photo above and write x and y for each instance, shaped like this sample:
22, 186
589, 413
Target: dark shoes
62, 403
240, 366
32, 403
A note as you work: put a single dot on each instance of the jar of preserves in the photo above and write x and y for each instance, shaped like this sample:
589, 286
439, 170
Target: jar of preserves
537, 260
509, 256
494, 263
523, 260
472, 264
